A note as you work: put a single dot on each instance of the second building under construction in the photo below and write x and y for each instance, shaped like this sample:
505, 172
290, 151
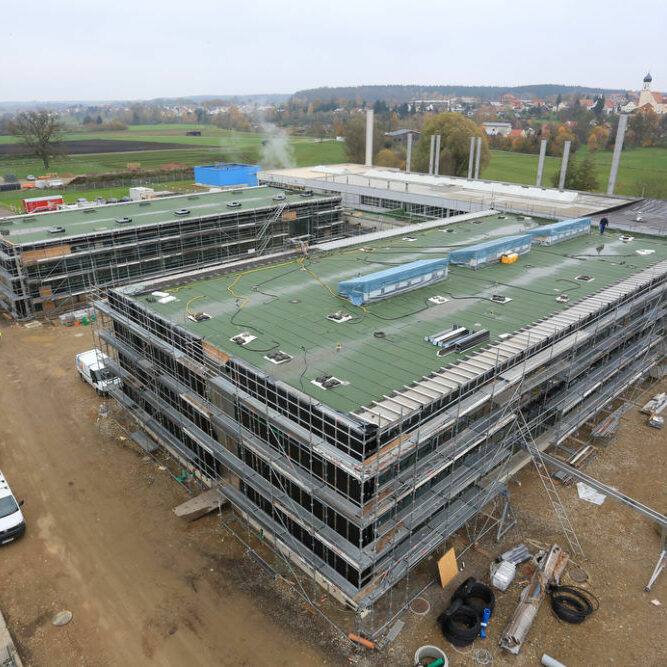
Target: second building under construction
355, 439
52, 261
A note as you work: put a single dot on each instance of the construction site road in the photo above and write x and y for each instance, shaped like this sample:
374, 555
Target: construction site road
102, 541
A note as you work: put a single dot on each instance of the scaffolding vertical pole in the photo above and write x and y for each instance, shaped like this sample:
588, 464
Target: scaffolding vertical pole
478, 156
436, 161
540, 164
471, 158
616, 158
563, 166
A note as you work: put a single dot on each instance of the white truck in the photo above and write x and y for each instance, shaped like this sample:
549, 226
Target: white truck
92, 367
12, 523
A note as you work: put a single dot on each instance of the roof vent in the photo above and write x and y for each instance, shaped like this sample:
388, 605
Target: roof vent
233, 204
438, 300
626, 238
195, 317
55, 230
339, 316
243, 338
278, 357
307, 193
502, 217
563, 298
193, 197
144, 203
409, 238
123, 221
499, 298
325, 381
645, 251
584, 278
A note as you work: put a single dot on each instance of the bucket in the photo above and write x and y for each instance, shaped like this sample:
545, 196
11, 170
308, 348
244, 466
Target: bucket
429, 654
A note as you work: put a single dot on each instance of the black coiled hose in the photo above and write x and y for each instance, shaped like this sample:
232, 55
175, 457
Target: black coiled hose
572, 604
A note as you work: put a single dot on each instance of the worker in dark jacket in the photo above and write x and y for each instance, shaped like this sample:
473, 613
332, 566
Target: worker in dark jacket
603, 225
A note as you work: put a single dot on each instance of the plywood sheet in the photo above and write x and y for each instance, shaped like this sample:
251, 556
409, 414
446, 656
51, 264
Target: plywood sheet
447, 567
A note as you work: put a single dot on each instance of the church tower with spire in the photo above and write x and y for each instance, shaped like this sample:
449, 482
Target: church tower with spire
650, 100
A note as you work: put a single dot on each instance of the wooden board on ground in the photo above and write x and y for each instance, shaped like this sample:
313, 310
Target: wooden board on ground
199, 505
447, 567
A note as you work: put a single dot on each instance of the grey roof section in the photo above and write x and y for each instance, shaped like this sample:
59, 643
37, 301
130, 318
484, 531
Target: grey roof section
647, 216
456, 193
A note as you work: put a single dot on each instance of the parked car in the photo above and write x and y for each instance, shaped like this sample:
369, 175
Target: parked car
12, 523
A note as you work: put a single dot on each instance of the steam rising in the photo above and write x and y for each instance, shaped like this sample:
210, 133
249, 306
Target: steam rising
277, 151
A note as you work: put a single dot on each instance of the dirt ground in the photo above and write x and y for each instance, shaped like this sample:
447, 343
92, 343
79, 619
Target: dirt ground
146, 589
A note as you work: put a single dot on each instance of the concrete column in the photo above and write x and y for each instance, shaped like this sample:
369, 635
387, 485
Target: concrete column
369, 137
471, 158
540, 164
408, 159
436, 162
616, 157
478, 155
563, 166
430, 155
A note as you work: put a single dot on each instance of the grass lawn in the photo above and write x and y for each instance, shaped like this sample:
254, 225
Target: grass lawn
636, 164
16, 197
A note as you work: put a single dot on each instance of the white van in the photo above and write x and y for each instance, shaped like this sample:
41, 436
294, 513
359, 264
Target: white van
12, 524
92, 367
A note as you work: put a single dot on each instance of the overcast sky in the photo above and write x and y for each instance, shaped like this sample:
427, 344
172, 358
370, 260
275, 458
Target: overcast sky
142, 49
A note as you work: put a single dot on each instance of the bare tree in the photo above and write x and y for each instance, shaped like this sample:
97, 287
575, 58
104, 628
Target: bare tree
40, 132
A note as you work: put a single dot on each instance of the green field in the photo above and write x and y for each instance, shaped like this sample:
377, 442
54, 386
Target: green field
637, 164
305, 153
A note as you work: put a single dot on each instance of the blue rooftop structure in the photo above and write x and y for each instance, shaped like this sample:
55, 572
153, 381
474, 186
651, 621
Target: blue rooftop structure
228, 173
481, 254
392, 281
560, 231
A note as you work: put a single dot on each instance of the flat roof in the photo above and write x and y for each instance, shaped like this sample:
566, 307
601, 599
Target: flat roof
382, 348
33, 228
454, 192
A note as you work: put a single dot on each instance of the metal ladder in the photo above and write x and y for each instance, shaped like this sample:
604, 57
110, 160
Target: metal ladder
549, 486
264, 235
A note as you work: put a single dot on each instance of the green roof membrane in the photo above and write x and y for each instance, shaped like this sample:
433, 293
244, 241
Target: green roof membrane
83, 221
382, 348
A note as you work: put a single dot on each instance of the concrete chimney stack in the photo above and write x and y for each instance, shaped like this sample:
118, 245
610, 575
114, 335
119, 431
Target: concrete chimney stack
369, 137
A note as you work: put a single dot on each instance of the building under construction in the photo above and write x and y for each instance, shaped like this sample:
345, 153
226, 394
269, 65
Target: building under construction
359, 401
51, 261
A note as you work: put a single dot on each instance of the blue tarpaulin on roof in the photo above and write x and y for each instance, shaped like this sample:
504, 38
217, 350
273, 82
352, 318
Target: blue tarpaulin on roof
391, 281
560, 231
490, 251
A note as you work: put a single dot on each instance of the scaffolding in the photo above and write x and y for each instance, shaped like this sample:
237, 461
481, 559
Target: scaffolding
354, 503
60, 270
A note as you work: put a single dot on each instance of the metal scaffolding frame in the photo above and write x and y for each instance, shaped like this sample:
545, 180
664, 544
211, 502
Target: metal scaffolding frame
352, 507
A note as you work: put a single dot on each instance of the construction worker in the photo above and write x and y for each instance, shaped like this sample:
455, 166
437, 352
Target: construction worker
603, 225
